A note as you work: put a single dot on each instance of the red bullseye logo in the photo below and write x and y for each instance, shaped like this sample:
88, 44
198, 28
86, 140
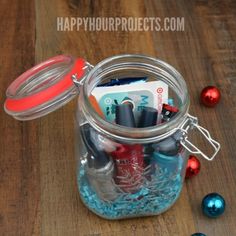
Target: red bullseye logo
160, 90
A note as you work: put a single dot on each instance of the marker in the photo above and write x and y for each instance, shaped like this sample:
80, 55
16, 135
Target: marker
125, 115
148, 118
170, 146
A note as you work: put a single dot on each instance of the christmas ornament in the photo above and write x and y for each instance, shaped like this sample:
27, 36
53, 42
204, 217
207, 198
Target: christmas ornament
198, 234
193, 167
213, 205
210, 96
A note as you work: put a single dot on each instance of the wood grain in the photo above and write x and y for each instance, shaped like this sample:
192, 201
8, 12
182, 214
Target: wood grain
38, 192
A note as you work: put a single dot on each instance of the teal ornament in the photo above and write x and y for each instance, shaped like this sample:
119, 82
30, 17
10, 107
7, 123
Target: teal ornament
213, 205
198, 234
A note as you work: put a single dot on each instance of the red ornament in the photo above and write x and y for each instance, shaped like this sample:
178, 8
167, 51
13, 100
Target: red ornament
193, 167
210, 96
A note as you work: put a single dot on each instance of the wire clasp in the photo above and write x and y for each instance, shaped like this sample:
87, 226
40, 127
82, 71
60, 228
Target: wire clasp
80, 82
190, 123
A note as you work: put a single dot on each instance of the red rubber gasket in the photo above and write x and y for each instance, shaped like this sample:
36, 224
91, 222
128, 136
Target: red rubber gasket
41, 97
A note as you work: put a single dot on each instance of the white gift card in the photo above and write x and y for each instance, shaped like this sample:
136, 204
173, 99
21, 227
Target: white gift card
149, 94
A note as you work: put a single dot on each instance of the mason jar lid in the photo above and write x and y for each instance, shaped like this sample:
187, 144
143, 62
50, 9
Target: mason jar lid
45, 87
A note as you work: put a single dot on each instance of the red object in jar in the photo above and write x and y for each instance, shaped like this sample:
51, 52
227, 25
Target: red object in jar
129, 167
168, 112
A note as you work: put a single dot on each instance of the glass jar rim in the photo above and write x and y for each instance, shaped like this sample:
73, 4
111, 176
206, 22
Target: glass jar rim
127, 133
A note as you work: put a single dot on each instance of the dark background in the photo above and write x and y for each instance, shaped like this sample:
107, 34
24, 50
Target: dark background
38, 192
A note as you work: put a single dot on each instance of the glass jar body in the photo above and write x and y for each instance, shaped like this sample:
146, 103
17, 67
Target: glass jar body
125, 172
138, 180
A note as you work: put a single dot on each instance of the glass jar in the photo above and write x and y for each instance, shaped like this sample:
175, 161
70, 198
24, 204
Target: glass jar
122, 171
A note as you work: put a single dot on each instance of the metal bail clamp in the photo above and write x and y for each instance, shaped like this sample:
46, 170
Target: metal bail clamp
190, 123
80, 82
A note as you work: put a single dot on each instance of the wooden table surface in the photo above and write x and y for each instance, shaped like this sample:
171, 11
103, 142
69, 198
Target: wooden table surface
38, 192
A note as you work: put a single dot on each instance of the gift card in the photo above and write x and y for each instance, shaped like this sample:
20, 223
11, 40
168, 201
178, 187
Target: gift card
149, 94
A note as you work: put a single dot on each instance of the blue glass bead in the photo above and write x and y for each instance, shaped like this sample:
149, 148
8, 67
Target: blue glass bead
213, 205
